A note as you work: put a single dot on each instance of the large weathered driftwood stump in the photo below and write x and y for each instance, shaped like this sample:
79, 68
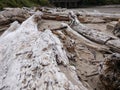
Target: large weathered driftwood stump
30, 59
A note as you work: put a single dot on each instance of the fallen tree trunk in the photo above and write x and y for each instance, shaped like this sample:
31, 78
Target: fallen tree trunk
30, 59
105, 16
74, 35
91, 34
55, 17
96, 36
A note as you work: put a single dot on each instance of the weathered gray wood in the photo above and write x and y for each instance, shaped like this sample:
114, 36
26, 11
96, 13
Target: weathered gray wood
96, 36
105, 16
55, 17
70, 32
91, 34
110, 71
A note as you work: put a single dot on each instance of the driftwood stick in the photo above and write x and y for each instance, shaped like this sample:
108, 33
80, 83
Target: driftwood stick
91, 75
94, 61
60, 28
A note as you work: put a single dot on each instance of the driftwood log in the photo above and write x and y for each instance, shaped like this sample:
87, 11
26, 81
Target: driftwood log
55, 17
110, 73
73, 34
96, 36
105, 16
30, 59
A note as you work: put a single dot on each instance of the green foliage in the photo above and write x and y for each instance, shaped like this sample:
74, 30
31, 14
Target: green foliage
44, 2
30, 3
21, 3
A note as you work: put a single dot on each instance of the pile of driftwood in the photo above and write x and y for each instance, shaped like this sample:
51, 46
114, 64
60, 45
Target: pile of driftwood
33, 59
10, 15
110, 68
30, 59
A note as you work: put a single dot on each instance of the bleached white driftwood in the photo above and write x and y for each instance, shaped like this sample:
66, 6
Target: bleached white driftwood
108, 16
97, 36
87, 42
13, 27
91, 34
29, 60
